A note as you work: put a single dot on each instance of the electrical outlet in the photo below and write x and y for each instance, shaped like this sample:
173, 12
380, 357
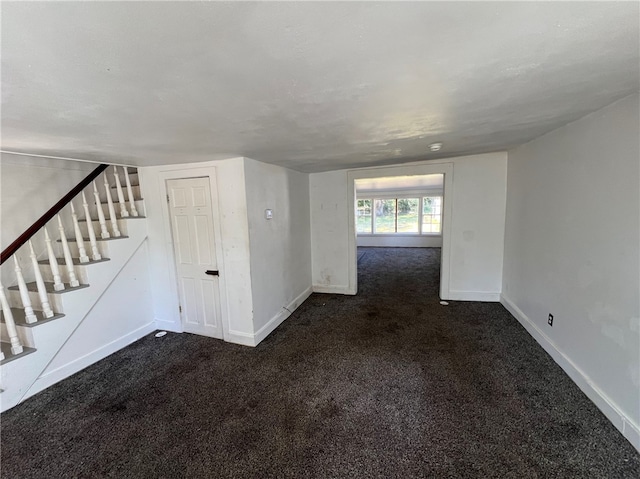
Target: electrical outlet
550, 320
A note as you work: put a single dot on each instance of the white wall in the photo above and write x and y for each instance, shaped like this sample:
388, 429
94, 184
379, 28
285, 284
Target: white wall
121, 316
329, 231
29, 186
571, 249
230, 222
477, 229
477, 226
280, 247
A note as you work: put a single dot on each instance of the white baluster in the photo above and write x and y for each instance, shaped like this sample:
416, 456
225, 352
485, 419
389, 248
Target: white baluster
95, 253
112, 210
68, 260
132, 202
78, 233
123, 205
16, 346
104, 232
29, 315
58, 285
42, 289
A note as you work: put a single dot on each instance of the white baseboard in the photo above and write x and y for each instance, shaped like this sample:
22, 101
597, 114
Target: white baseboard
238, 337
248, 339
322, 288
632, 432
620, 420
166, 325
283, 314
473, 296
63, 372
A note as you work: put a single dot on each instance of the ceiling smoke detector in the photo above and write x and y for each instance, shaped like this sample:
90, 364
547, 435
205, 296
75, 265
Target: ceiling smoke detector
435, 146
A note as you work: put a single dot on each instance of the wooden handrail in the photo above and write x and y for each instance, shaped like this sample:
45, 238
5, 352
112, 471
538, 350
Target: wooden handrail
55, 209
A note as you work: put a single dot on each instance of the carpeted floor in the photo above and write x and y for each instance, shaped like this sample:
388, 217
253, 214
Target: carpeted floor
386, 384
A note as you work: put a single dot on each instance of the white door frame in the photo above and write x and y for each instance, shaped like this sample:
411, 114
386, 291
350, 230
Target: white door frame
186, 173
445, 169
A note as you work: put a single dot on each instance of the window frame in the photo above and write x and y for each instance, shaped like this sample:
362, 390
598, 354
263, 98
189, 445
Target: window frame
419, 195
371, 207
422, 213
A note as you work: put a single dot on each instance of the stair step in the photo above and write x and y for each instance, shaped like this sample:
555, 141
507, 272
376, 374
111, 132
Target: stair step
19, 317
6, 349
124, 186
49, 287
73, 240
76, 261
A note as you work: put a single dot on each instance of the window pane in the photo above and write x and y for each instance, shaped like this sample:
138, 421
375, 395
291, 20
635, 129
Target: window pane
431, 214
363, 216
408, 215
385, 216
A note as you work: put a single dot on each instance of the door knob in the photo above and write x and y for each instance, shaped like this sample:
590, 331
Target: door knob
212, 273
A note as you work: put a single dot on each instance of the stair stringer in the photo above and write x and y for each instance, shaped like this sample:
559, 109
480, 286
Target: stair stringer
20, 375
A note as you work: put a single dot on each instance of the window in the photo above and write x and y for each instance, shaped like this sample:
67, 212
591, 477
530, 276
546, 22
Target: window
363, 216
431, 214
399, 215
408, 221
385, 217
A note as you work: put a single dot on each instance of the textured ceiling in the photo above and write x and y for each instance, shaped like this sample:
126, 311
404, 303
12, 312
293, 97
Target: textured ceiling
311, 86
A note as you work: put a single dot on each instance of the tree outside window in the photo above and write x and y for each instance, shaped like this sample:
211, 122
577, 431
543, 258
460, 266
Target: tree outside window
385, 218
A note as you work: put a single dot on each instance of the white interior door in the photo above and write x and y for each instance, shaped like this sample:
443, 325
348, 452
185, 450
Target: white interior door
190, 209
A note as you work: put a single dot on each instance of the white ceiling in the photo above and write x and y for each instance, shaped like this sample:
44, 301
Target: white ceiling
400, 183
311, 86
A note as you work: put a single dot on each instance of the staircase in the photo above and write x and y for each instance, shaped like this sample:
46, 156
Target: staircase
61, 267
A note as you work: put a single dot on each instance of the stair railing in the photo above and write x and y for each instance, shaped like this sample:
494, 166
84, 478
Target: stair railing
92, 253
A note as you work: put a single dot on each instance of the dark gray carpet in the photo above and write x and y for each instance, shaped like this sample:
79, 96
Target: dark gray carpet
385, 384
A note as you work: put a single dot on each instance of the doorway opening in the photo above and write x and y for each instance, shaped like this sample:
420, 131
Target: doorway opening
401, 207
400, 211
399, 221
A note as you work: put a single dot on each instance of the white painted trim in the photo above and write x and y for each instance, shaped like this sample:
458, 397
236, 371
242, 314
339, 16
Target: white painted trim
338, 289
399, 235
399, 241
445, 168
165, 325
182, 172
631, 432
474, 296
247, 339
620, 420
279, 318
56, 375
239, 337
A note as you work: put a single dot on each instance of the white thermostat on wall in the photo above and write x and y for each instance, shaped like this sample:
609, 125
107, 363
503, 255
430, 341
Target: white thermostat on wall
268, 214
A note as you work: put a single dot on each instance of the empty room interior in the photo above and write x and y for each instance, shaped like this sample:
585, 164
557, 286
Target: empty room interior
320, 239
